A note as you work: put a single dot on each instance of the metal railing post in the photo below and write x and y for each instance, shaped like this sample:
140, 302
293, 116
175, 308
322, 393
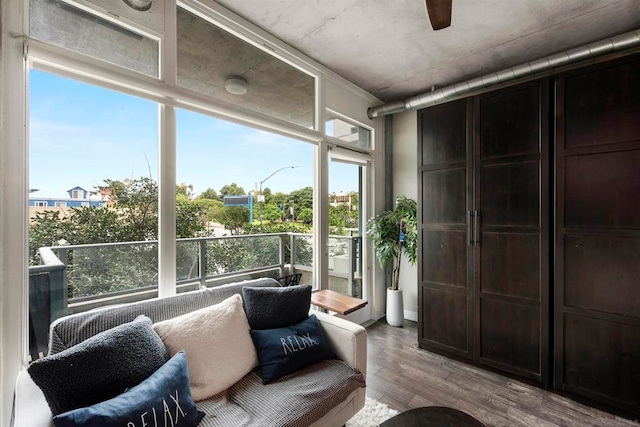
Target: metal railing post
202, 261
352, 265
282, 255
292, 255
62, 256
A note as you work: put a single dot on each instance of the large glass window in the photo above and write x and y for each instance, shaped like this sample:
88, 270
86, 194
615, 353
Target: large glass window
62, 24
345, 227
346, 131
214, 62
102, 248
243, 198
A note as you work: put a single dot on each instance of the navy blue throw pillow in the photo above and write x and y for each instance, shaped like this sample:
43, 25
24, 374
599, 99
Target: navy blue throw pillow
100, 367
282, 351
163, 399
275, 307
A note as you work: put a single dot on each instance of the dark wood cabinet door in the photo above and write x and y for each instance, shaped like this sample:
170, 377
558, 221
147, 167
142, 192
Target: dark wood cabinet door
511, 201
445, 296
597, 279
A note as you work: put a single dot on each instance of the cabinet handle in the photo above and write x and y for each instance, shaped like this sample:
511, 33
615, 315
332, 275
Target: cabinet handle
470, 227
476, 227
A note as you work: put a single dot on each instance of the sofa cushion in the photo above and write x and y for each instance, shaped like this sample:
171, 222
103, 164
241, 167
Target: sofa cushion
269, 308
217, 343
282, 351
296, 400
162, 399
100, 367
71, 330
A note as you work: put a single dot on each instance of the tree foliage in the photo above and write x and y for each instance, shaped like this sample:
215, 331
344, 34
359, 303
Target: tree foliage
209, 193
232, 189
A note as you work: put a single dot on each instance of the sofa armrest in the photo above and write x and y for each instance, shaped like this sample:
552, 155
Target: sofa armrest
348, 340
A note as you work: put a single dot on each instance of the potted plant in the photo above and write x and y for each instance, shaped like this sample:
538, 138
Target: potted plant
393, 233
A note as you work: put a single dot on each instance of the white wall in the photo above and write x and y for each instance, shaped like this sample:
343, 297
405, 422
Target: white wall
405, 182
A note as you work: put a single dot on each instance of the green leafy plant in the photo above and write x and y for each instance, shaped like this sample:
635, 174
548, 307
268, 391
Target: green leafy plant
393, 233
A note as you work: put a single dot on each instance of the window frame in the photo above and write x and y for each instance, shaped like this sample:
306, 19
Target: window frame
20, 53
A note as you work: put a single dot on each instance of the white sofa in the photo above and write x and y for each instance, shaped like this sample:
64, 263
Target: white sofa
349, 342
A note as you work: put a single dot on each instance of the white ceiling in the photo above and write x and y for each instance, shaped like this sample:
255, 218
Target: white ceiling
388, 48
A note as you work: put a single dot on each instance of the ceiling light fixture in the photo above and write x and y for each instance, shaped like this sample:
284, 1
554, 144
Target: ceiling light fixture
140, 5
236, 85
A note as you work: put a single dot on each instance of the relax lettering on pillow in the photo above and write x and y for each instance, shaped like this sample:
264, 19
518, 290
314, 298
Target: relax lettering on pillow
282, 351
162, 400
171, 414
293, 343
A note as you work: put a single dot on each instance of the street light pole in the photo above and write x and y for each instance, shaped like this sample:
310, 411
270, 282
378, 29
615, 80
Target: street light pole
261, 197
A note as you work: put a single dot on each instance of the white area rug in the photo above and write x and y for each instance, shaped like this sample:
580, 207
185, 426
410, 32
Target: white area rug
372, 414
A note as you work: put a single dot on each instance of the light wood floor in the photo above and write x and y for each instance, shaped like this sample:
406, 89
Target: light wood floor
404, 377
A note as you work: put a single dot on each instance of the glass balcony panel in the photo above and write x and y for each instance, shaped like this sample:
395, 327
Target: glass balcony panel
187, 260
233, 255
63, 25
97, 271
208, 56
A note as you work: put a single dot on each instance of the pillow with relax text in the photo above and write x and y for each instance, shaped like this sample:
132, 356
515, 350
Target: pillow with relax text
276, 307
163, 399
282, 351
100, 367
217, 343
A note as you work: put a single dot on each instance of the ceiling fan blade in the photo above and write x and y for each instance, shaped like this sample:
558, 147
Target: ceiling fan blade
439, 12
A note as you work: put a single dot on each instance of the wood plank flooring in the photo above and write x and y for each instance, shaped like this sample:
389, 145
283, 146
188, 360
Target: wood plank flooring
405, 377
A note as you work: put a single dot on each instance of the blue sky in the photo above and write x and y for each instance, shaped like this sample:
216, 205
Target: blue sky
80, 135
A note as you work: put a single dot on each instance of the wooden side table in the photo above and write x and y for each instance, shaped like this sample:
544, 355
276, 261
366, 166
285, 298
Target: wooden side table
333, 301
432, 416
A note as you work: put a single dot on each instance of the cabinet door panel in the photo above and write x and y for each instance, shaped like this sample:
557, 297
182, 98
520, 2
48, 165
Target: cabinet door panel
602, 359
603, 190
444, 196
602, 273
603, 106
444, 318
510, 264
511, 336
509, 124
511, 194
447, 261
444, 138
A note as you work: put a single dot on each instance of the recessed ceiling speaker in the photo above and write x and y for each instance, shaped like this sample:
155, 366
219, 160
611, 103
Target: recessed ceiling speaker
236, 85
141, 5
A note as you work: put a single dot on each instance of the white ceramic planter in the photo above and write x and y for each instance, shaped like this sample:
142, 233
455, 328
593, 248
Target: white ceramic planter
395, 307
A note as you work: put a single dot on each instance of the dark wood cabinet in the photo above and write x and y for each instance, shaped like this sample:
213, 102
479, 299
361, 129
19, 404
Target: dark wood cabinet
446, 295
597, 275
495, 289
484, 230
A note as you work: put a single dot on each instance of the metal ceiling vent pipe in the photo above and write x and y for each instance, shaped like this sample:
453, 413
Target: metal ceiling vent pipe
459, 90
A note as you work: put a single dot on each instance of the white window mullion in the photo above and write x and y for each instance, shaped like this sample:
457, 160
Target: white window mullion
167, 202
167, 276
14, 200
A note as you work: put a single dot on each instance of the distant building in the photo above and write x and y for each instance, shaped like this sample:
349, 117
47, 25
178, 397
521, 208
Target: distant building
78, 198
343, 198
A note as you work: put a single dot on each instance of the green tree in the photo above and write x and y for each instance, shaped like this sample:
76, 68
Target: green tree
137, 200
190, 218
305, 216
232, 189
272, 213
302, 198
234, 218
209, 193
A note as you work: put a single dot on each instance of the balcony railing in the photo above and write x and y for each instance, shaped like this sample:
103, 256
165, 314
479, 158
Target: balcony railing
76, 278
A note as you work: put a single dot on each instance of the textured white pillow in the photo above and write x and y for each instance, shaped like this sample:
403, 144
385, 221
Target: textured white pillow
217, 343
